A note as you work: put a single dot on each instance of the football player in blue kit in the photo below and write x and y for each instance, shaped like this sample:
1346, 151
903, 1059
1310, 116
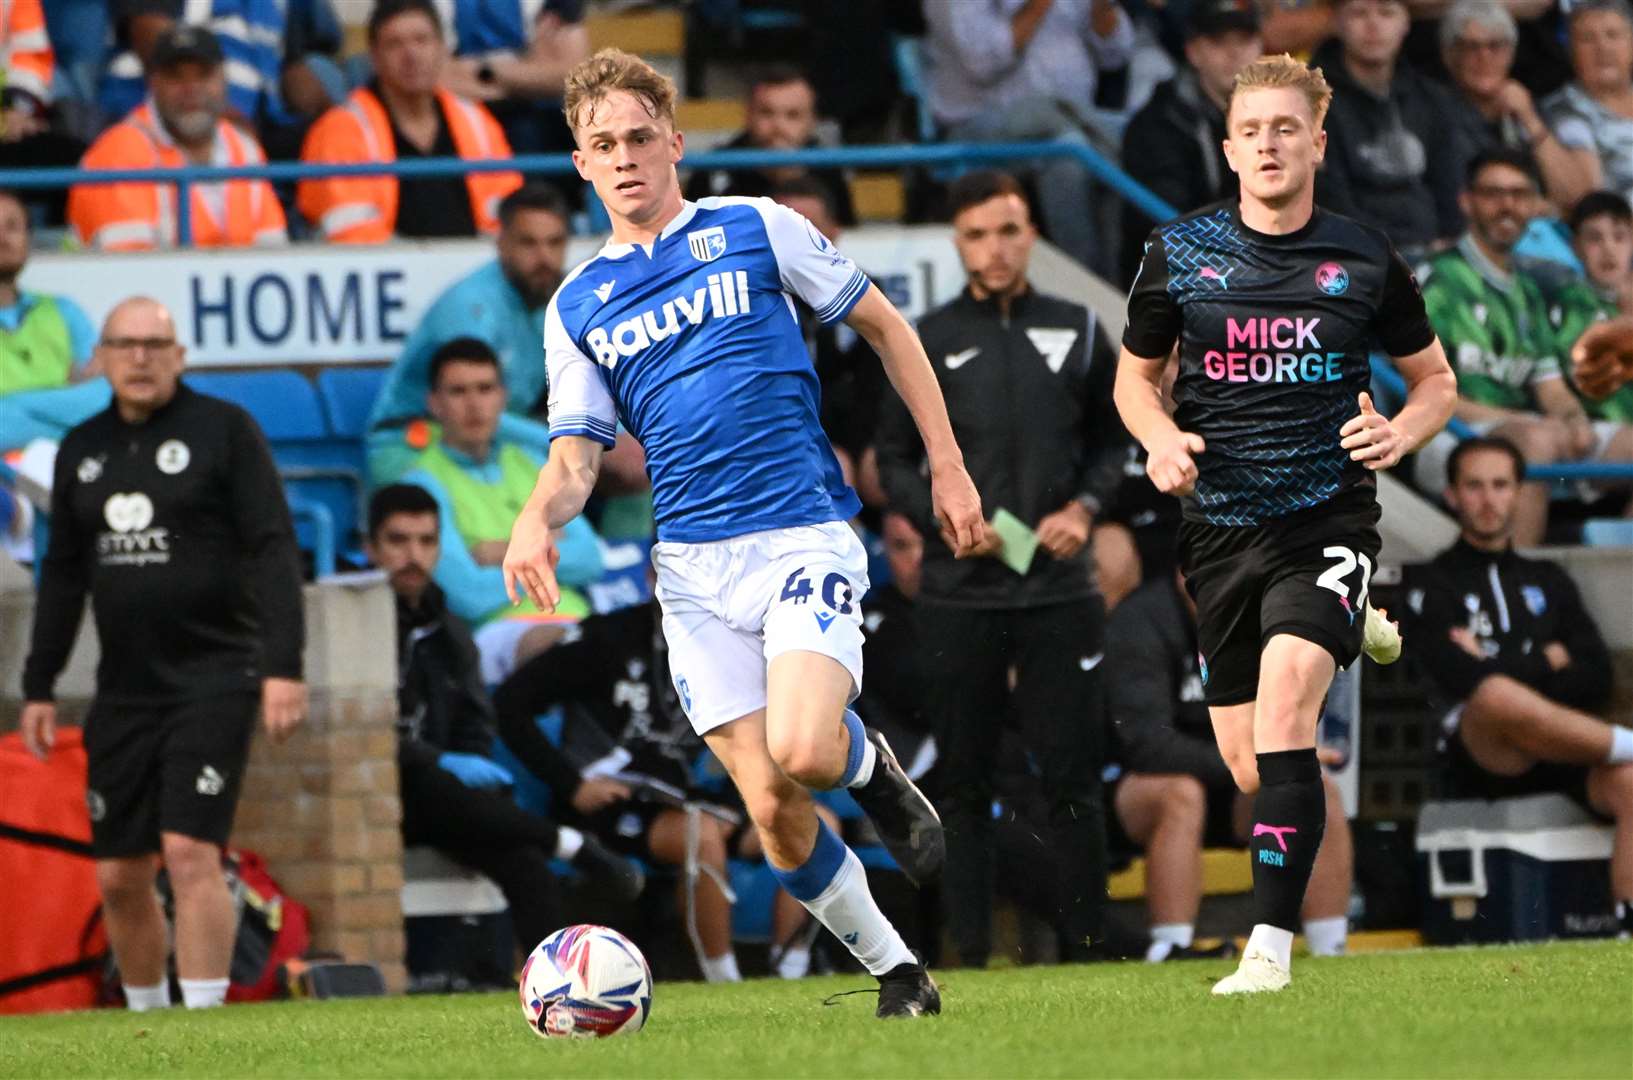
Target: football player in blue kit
683, 329
1275, 305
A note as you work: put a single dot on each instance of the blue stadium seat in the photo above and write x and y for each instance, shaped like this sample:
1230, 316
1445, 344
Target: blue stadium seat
348, 395
1608, 532
318, 468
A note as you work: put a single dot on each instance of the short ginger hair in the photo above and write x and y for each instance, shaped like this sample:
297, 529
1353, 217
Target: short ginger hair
609, 70
1275, 72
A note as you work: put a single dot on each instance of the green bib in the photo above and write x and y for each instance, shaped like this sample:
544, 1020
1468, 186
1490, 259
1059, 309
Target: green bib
38, 354
484, 511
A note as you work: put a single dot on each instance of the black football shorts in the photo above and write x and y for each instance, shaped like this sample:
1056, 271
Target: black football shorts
1305, 574
169, 768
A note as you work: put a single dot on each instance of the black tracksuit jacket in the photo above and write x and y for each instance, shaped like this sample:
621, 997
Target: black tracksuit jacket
178, 530
1029, 395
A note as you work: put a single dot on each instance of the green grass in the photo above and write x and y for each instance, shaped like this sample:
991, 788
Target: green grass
1556, 1010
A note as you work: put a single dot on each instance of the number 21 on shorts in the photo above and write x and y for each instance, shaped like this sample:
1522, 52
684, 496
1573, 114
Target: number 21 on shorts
1344, 561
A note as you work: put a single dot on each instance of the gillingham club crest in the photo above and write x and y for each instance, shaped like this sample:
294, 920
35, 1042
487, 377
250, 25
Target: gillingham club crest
707, 245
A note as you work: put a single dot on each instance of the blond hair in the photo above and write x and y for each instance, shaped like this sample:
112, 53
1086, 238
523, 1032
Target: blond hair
1276, 72
609, 70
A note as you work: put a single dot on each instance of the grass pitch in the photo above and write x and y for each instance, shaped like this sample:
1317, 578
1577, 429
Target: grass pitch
1561, 1010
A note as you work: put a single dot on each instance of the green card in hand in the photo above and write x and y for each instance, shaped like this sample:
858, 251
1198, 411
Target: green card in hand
1020, 541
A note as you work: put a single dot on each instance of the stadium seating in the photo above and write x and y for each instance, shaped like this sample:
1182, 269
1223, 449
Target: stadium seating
321, 462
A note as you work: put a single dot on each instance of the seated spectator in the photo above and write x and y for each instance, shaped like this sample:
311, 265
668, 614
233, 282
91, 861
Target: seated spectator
781, 116
480, 482
1477, 41
403, 114
454, 794
1176, 794
501, 304
27, 88
45, 341
852, 377
1393, 159
1173, 144
896, 705
614, 671
1602, 232
280, 71
1137, 540
1593, 114
1517, 663
1002, 74
183, 123
513, 56
1489, 313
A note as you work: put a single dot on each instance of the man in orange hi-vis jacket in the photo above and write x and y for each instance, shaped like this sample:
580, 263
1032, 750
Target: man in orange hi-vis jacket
180, 124
403, 114
25, 54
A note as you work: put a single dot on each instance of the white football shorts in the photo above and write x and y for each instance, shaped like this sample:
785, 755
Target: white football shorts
731, 606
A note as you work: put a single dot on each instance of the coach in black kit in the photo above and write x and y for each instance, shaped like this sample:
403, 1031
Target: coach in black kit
167, 509
1027, 379
1275, 306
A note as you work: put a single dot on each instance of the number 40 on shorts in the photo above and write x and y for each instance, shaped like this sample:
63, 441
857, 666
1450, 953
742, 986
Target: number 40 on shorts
837, 592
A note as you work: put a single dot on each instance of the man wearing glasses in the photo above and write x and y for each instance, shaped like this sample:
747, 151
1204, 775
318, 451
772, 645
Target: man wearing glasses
1491, 316
167, 510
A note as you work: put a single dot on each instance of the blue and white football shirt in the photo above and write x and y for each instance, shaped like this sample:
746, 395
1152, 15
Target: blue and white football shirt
695, 347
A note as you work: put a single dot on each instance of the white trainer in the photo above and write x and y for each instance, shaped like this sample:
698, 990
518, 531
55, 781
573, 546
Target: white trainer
1259, 972
1382, 638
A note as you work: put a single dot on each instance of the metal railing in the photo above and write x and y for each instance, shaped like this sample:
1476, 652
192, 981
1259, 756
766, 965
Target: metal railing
855, 157
1097, 164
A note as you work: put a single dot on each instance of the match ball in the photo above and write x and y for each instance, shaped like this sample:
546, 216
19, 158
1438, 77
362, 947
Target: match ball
586, 982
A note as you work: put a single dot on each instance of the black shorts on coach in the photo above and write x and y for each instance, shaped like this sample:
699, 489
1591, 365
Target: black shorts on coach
166, 768
1305, 574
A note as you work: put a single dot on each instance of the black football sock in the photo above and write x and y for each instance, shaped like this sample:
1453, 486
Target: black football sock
1289, 817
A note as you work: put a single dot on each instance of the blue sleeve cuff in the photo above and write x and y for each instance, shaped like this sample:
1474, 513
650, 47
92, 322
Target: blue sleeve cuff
588, 426
847, 298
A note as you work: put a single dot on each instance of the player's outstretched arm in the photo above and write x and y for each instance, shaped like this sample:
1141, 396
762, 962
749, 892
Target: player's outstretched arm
564, 486
1170, 453
953, 496
1431, 394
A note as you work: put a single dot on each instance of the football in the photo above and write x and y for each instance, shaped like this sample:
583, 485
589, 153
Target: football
586, 982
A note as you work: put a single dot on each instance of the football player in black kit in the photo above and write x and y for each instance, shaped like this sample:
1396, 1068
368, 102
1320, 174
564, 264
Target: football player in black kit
1275, 305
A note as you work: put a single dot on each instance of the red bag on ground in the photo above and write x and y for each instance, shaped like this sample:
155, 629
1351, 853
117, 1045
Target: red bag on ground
53, 947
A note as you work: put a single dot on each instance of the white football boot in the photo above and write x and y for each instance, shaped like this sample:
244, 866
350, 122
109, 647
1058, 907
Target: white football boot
1382, 638
1259, 972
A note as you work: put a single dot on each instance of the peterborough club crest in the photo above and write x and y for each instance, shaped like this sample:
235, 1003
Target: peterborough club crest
707, 245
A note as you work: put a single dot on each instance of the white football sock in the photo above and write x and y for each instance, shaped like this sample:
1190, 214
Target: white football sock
1327, 937
720, 968
203, 993
143, 998
568, 841
1621, 745
1165, 938
1274, 942
846, 907
795, 962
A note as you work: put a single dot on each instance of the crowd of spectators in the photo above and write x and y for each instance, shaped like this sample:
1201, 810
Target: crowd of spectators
1502, 168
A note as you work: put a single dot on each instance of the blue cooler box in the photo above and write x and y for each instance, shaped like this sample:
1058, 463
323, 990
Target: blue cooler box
1514, 870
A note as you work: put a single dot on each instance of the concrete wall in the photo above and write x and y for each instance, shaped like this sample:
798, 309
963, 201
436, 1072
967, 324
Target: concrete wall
322, 809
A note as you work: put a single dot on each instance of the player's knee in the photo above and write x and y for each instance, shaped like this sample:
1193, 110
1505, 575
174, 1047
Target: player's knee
1184, 803
771, 804
802, 755
190, 862
1244, 769
124, 881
